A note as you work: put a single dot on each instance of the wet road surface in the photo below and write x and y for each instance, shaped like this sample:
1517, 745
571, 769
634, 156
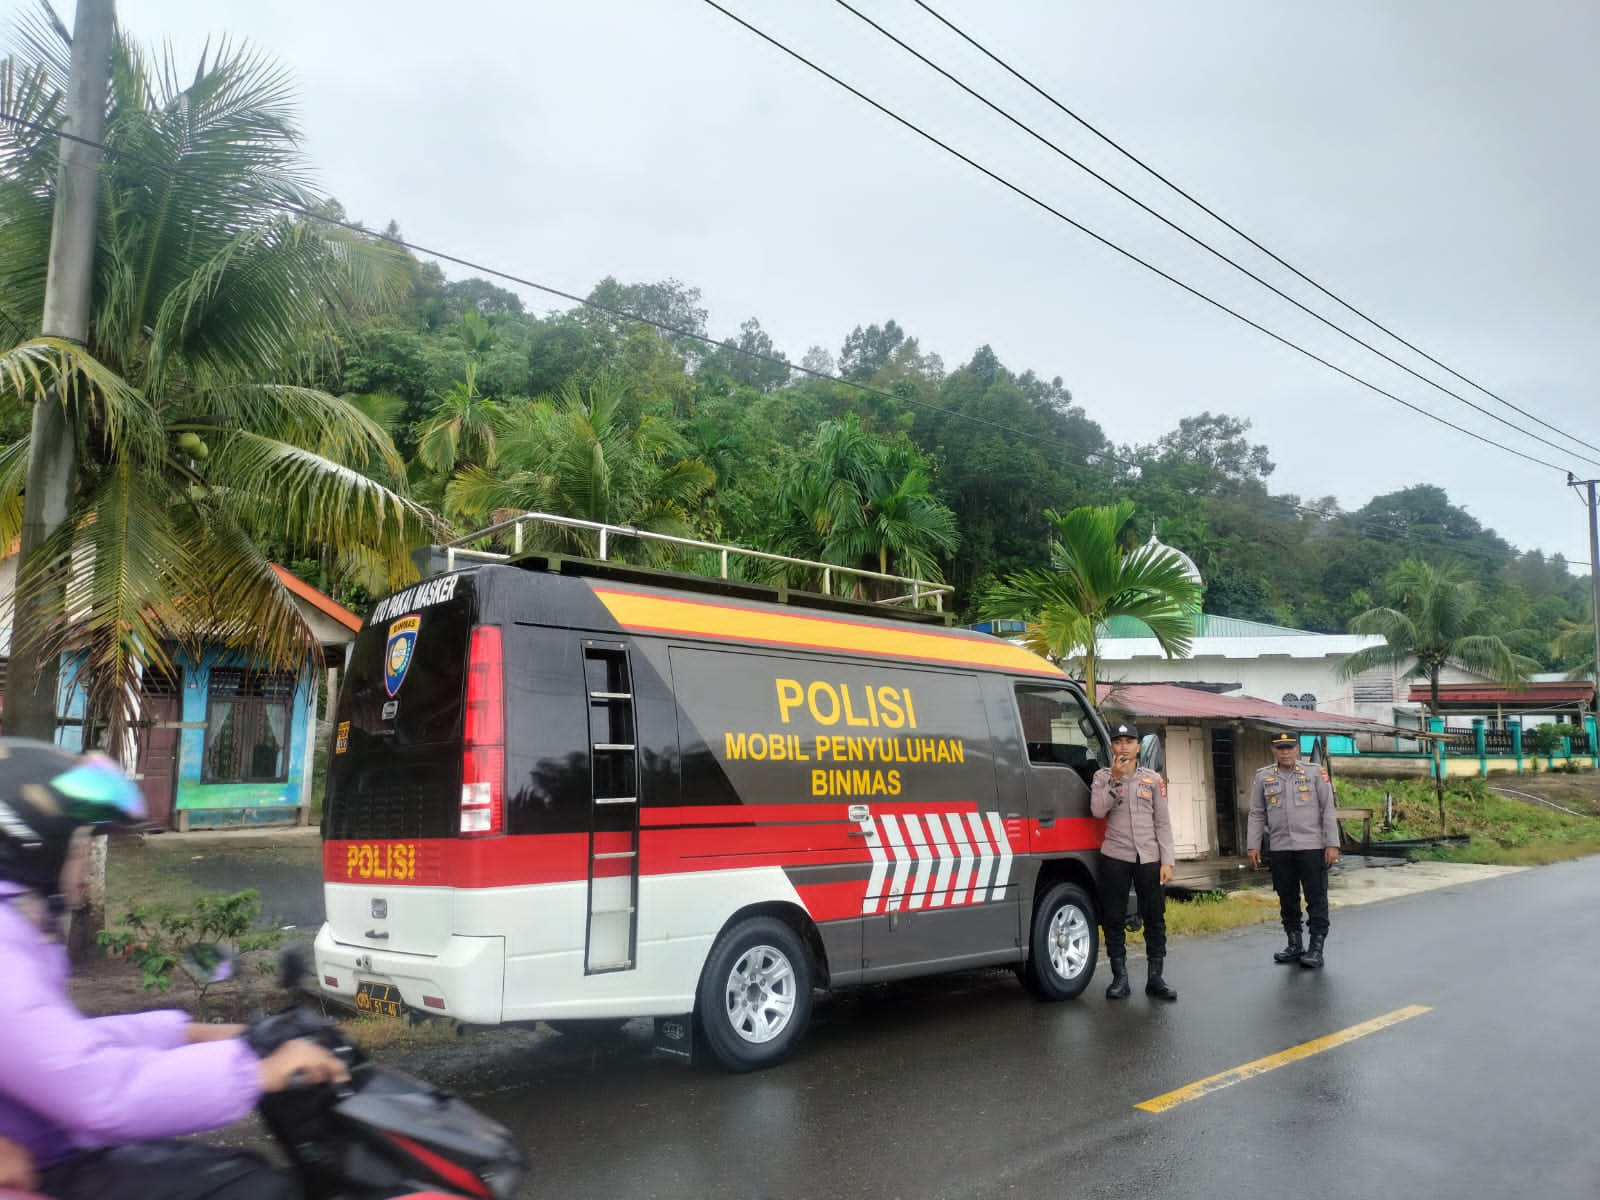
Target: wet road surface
966, 1087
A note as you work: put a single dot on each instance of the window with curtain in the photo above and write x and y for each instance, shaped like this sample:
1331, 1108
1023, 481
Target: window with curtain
247, 726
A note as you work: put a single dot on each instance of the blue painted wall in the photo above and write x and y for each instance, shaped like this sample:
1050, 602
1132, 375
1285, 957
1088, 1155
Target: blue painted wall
213, 804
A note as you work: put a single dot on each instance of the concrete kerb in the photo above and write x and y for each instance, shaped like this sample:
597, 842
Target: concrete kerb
241, 837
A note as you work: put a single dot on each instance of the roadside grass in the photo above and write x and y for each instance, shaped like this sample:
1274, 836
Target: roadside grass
1501, 831
1213, 912
138, 873
397, 1033
1578, 789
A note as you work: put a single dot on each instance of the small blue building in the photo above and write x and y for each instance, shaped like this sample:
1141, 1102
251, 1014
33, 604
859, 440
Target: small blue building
221, 741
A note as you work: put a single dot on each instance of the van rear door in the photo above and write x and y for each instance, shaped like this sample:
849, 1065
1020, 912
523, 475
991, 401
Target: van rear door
393, 808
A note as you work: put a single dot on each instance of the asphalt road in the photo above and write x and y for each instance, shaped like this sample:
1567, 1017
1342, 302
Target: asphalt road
966, 1087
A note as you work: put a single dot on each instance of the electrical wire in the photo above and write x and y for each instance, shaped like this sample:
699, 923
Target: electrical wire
1206, 246
1109, 244
1229, 225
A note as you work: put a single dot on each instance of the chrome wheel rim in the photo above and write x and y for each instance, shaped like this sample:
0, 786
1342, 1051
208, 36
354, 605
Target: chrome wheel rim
760, 994
1069, 941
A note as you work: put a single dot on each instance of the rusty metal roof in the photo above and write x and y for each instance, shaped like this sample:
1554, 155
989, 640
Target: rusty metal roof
1529, 697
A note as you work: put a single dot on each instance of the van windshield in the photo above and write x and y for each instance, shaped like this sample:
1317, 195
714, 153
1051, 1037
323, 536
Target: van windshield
395, 762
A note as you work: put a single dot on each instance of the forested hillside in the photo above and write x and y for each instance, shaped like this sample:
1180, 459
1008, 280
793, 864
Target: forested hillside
913, 465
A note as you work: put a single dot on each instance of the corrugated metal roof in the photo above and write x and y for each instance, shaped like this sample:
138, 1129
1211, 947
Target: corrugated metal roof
1171, 702
1205, 625
1556, 692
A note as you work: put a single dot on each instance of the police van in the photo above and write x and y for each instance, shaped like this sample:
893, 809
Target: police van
581, 792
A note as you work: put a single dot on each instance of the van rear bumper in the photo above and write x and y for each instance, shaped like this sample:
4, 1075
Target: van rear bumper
466, 982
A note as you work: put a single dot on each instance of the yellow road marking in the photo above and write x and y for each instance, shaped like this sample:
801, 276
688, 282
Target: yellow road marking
1215, 1083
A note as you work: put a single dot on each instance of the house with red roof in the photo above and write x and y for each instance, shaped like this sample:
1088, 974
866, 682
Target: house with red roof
220, 740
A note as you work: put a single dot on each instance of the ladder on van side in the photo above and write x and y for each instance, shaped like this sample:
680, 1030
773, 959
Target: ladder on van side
613, 910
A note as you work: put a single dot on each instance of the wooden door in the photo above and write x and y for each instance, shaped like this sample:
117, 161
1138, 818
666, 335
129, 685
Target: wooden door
159, 739
1188, 797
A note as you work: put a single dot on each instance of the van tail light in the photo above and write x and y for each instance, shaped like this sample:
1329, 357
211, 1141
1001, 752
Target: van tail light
483, 752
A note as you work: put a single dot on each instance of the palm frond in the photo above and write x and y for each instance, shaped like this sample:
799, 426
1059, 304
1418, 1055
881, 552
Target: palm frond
115, 566
302, 499
122, 417
235, 599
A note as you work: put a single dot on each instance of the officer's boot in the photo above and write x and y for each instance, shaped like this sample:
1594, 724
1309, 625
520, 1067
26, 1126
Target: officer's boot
1291, 952
1119, 978
1156, 986
1313, 956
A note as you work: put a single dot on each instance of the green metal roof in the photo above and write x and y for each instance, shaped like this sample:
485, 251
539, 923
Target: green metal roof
1206, 625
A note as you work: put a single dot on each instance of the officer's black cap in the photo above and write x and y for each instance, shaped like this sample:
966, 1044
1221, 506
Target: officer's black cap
1123, 729
1283, 737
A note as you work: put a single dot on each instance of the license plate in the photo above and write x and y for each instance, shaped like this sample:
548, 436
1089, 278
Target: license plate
381, 999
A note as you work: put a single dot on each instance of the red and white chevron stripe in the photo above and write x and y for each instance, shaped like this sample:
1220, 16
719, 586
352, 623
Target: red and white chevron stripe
936, 859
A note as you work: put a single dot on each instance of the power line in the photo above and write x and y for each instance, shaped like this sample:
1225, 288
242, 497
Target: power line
1202, 243
1109, 244
1376, 533
1220, 219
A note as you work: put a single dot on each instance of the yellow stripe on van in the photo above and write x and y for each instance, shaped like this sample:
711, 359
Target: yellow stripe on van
658, 614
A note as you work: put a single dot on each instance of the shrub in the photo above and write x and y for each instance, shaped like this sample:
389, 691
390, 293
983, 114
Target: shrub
161, 938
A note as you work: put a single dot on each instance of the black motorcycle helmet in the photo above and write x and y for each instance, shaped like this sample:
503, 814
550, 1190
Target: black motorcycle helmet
46, 794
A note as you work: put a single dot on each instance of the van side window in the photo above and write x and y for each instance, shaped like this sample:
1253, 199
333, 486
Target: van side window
1057, 729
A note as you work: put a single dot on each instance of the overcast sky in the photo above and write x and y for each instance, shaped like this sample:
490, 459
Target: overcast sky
1433, 162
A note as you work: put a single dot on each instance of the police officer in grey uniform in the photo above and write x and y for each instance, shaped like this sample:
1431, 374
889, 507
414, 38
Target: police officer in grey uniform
1294, 805
1137, 849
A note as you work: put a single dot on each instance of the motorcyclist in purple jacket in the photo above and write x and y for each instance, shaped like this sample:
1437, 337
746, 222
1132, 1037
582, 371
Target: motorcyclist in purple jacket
93, 1099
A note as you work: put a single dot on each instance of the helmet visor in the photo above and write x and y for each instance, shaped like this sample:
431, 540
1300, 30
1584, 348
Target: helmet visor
95, 791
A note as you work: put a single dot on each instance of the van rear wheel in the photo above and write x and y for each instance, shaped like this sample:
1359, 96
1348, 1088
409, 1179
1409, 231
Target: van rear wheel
754, 1000
1064, 944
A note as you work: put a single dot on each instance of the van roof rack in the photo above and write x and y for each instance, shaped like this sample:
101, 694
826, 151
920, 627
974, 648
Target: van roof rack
909, 599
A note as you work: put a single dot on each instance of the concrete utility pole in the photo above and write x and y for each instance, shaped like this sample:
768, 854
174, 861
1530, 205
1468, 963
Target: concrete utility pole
1594, 574
69, 287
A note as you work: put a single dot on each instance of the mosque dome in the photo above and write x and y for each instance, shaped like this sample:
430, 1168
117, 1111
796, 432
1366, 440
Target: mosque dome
1189, 569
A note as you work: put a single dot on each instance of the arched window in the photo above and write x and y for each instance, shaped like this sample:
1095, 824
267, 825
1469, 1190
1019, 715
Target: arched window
1306, 701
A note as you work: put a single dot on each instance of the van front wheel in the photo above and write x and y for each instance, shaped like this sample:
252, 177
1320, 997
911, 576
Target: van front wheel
754, 1001
1065, 943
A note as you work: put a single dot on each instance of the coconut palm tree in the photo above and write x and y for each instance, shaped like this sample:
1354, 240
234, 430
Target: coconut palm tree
198, 450
1574, 641
1093, 577
859, 501
576, 455
1437, 617
461, 428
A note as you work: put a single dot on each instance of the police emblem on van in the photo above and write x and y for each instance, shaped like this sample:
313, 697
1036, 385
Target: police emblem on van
399, 651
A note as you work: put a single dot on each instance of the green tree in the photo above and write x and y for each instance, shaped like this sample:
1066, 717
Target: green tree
461, 429
860, 501
198, 450
577, 455
1436, 616
748, 360
1573, 647
1093, 577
